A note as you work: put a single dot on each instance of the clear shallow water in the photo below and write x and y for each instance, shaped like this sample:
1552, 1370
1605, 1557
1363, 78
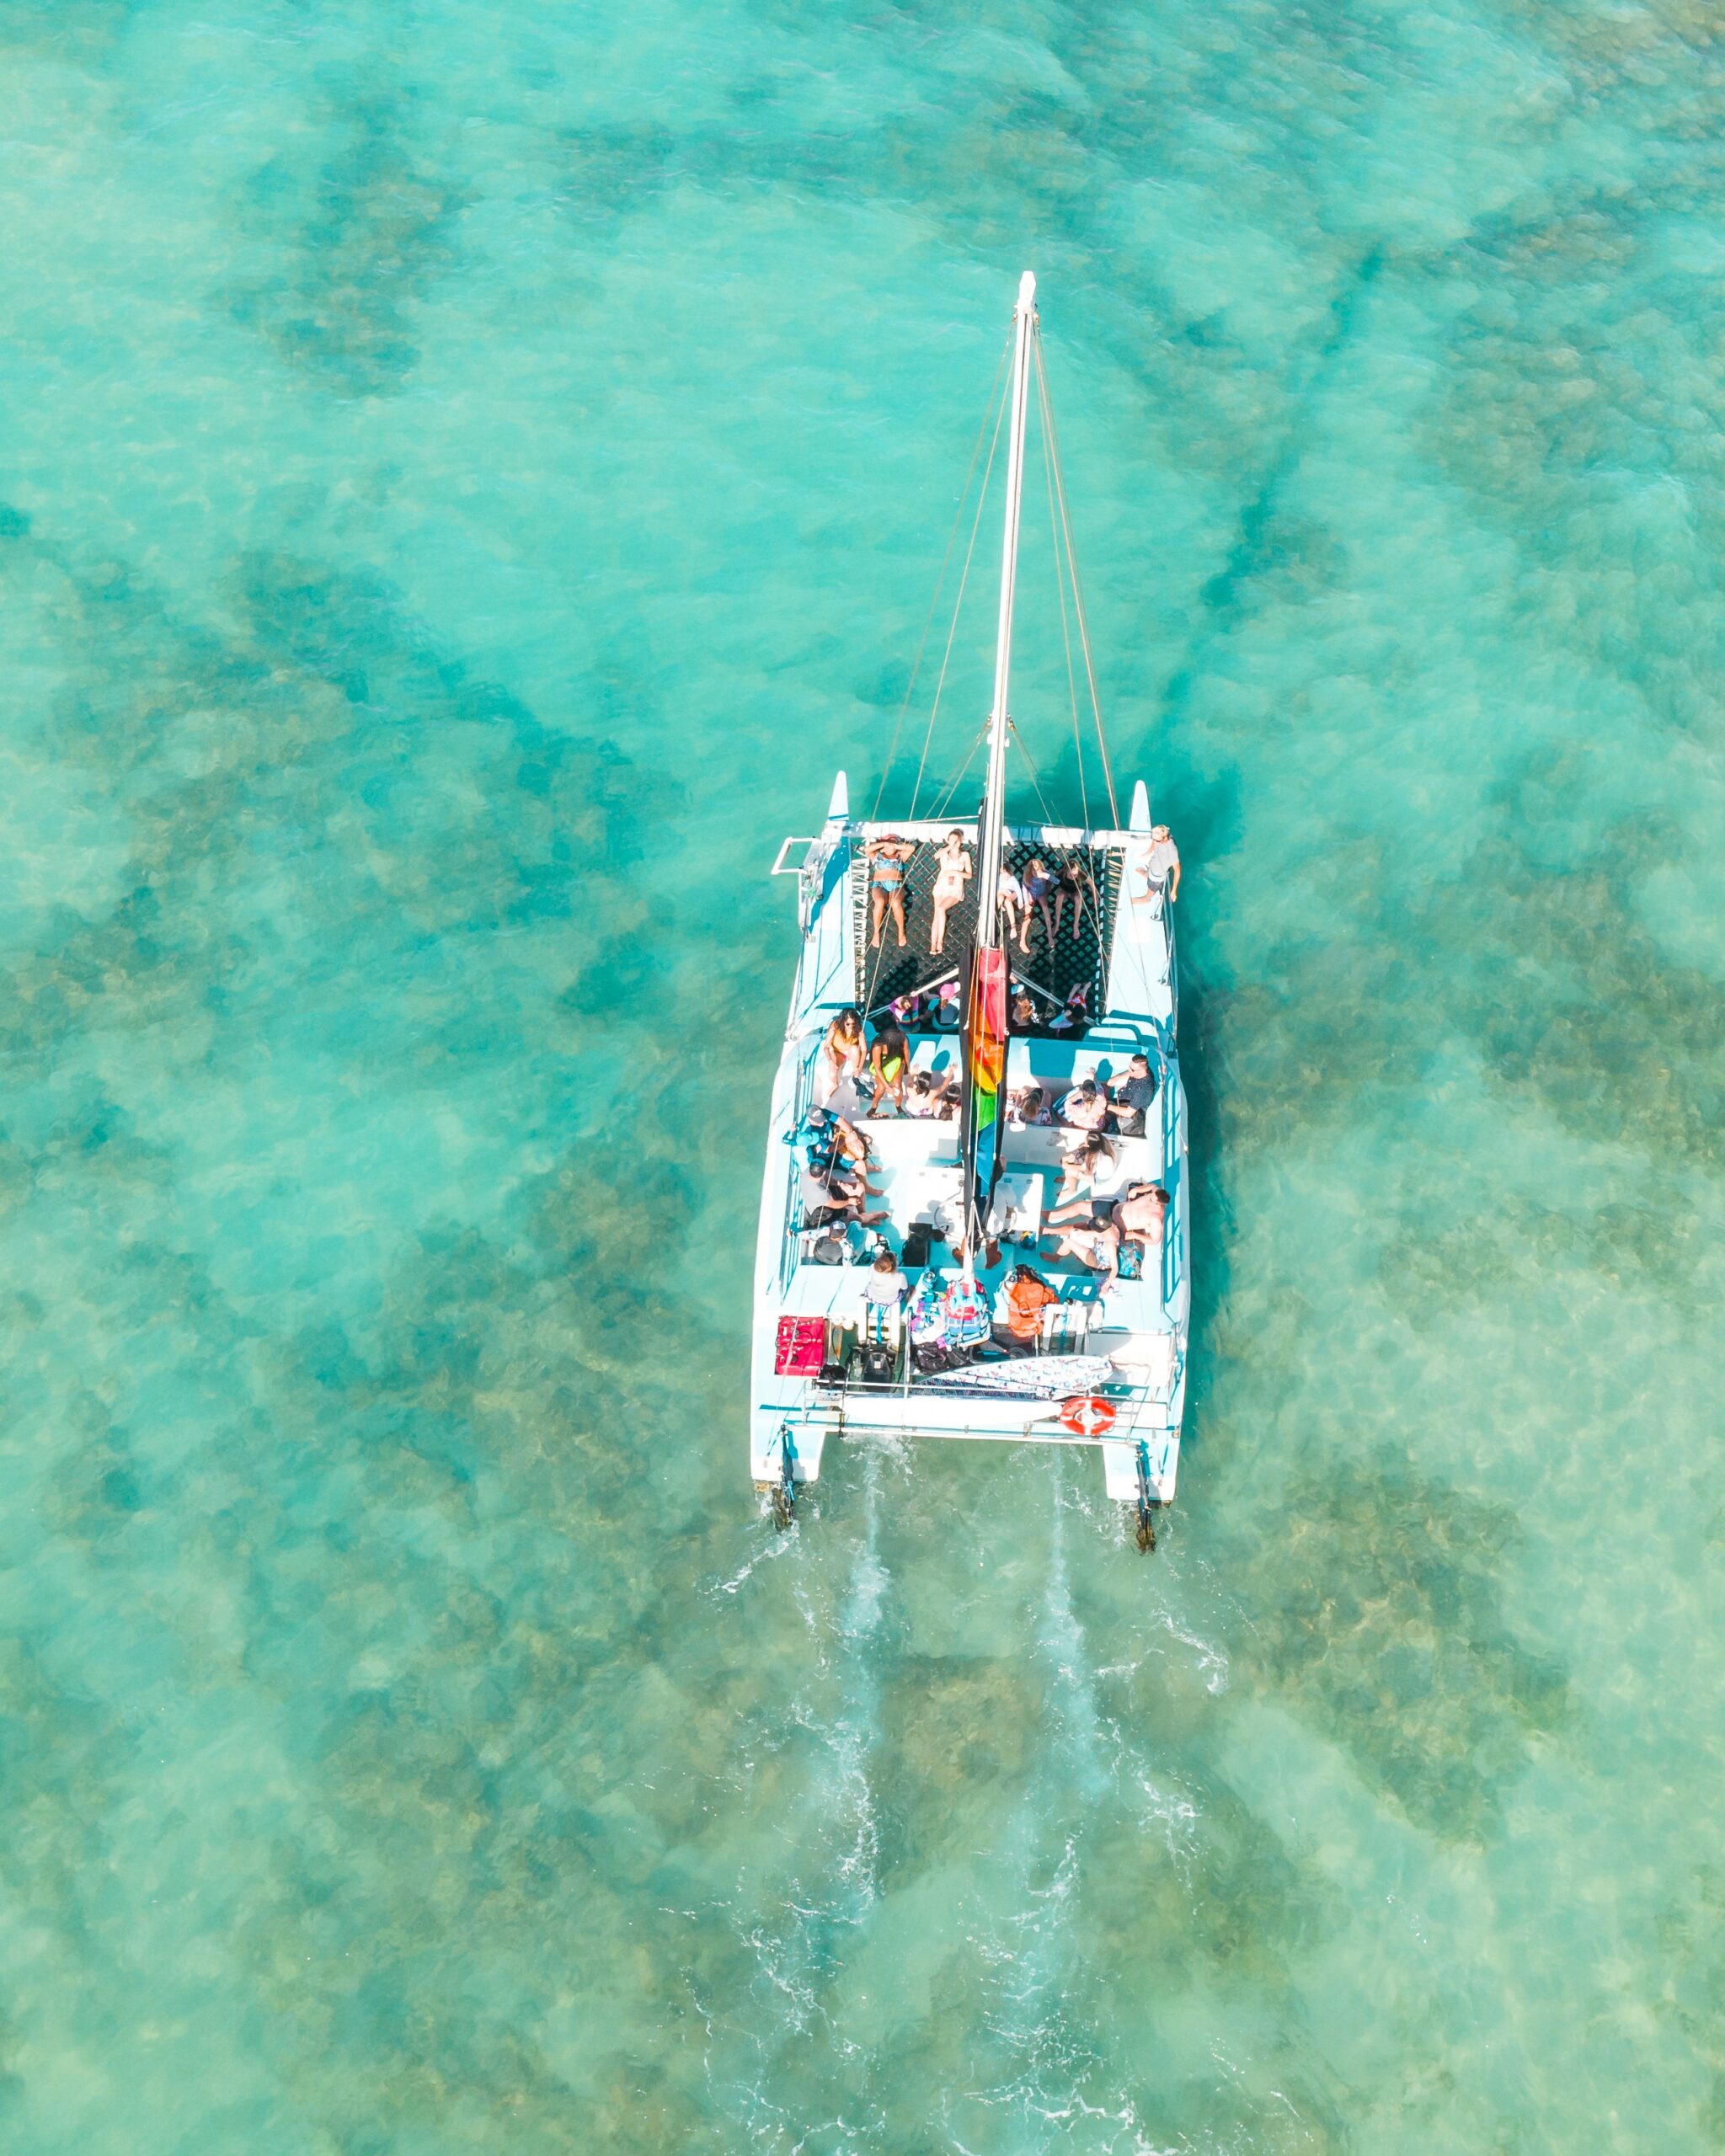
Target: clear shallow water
471, 474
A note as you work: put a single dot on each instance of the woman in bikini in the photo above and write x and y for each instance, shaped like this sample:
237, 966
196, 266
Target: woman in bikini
841, 1055
1039, 882
886, 858
889, 1065
953, 871
1072, 882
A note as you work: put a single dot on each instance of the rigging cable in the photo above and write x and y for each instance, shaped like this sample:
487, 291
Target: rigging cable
1047, 814
958, 777
1077, 593
940, 581
1060, 588
945, 656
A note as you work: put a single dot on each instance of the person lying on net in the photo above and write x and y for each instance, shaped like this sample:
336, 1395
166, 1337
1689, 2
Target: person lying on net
1027, 1296
1038, 885
952, 871
1074, 881
1012, 903
887, 859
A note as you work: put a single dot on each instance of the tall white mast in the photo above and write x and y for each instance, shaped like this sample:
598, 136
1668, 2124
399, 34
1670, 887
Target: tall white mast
988, 864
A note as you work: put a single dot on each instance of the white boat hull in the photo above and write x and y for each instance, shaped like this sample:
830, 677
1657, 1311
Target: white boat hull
1140, 1326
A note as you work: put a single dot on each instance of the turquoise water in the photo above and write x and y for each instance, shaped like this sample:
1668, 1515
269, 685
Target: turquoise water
471, 473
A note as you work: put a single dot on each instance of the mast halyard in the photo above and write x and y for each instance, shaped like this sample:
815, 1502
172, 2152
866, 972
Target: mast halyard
985, 1042
993, 818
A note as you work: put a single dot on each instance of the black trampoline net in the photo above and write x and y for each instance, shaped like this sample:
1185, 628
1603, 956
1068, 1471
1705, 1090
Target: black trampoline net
1074, 956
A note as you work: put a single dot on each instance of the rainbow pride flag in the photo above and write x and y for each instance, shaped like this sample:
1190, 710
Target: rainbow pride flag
984, 1043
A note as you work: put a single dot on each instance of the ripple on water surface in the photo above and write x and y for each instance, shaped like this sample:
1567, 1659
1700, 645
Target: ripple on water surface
470, 482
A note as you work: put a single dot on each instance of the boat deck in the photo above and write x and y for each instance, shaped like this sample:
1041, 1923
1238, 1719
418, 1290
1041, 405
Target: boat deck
916, 1165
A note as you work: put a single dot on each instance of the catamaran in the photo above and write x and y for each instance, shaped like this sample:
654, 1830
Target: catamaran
892, 1298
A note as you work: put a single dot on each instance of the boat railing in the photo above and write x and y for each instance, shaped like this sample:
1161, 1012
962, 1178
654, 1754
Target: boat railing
1168, 1094
802, 1100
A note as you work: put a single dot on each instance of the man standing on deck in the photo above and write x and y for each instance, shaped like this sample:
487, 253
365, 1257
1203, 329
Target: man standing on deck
1162, 864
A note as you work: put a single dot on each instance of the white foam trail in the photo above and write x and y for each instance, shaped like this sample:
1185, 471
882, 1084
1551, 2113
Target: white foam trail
832, 1888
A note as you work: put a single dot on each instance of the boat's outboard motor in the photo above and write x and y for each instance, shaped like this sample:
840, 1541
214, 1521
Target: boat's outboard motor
784, 1491
1146, 1503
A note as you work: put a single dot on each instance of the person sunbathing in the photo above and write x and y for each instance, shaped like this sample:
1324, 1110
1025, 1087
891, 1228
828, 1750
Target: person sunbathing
1141, 1215
1090, 1157
1097, 1247
1038, 885
887, 859
1011, 904
952, 871
1075, 879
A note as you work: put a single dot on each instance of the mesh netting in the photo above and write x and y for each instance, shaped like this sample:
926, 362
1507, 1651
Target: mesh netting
1079, 954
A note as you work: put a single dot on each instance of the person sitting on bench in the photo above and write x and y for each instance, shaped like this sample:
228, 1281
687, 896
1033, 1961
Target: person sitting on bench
1086, 1107
836, 1197
1132, 1095
886, 1287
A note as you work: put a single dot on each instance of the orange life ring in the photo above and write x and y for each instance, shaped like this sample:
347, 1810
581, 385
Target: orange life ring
1088, 1414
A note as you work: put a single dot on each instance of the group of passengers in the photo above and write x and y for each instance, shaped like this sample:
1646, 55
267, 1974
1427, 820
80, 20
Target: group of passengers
835, 1186
1039, 893
1110, 1236
879, 1069
1115, 1110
